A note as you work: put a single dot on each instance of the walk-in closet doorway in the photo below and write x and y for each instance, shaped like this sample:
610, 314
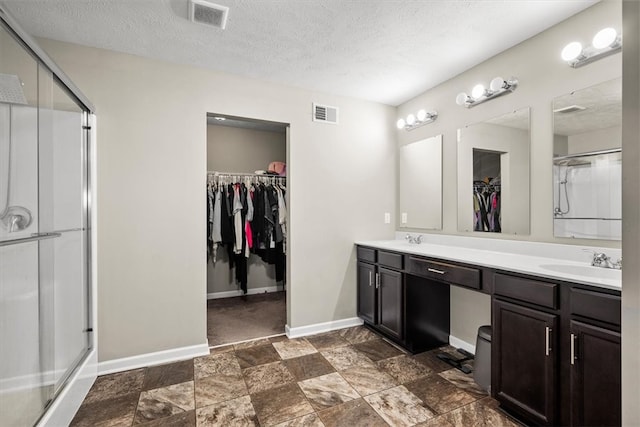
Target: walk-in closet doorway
247, 227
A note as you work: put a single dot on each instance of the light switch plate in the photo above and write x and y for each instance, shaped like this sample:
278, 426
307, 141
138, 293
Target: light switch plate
387, 218
404, 218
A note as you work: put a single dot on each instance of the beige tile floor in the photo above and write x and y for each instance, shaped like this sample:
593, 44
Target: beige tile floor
349, 377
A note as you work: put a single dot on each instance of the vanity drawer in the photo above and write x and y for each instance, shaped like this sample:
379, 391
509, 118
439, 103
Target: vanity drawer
528, 290
390, 259
595, 305
448, 273
366, 254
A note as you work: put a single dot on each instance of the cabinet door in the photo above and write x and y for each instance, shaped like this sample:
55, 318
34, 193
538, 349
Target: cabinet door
367, 292
390, 302
525, 361
595, 376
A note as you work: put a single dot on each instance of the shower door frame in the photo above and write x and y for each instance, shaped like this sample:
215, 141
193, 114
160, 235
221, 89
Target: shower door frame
76, 383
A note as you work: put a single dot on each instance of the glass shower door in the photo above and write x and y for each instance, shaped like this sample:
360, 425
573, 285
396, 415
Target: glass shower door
26, 351
44, 316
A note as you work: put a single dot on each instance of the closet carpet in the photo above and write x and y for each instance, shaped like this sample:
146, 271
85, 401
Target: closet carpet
347, 378
230, 320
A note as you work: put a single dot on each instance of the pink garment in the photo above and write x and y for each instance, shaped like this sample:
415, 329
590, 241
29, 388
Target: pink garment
249, 234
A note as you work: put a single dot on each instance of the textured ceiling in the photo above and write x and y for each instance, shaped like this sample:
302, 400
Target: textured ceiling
603, 103
380, 50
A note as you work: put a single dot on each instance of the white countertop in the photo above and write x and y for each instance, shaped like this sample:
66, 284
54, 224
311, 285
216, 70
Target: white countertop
549, 267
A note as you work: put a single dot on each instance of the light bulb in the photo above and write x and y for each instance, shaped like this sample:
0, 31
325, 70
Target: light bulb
477, 91
571, 51
604, 38
461, 99
496, 84
422, 115
400, 123
411, 119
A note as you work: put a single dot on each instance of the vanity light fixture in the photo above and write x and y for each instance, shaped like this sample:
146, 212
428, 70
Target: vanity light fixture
606, 42
414, 121
480, 94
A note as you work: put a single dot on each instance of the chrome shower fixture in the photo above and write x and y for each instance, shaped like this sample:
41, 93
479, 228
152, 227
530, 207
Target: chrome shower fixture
13, 218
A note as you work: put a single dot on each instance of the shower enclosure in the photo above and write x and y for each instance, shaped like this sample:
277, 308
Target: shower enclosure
45, 270
587, 195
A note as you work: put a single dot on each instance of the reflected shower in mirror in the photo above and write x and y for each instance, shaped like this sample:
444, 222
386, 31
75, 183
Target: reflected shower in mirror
587, 164
421, 184
493, 175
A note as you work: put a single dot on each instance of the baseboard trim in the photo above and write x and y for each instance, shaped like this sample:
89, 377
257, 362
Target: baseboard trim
150, 359
239, 293
458, 343
317, 328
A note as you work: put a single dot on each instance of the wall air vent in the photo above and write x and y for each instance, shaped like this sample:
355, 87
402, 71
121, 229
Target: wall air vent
569, 109
325, 114
204, 12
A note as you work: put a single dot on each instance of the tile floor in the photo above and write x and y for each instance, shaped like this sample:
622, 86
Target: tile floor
349, 377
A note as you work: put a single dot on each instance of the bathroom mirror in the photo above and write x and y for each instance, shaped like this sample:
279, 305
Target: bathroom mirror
421, 184
493, 175
587, 163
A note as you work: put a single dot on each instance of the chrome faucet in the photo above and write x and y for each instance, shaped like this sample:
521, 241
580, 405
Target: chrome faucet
414, 239
600, 259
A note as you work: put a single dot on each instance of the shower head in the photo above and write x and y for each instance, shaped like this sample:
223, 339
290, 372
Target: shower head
11, 90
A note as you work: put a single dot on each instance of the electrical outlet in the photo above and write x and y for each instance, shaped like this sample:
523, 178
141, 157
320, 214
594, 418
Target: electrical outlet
404, 218
387, 218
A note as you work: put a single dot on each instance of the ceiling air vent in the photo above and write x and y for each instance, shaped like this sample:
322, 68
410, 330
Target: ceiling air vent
325, 114
204, 12
569, 109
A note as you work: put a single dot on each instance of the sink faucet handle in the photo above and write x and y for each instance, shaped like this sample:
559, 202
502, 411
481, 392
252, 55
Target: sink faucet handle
618, 264
418, 239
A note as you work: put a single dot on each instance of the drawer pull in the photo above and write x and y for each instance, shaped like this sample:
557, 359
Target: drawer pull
433, 270
547, 331
573, 348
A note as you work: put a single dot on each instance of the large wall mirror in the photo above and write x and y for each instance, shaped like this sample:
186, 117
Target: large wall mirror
421, 184
587, 163
493, 175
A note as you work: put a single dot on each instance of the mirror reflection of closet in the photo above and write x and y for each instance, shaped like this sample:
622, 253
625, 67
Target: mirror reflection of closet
420, 180
486, 190
587, 164
493, 175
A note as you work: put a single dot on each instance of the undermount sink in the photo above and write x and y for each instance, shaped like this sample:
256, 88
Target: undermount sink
585, 271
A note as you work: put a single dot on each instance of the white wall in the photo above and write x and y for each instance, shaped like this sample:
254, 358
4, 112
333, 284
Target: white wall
543, 76
601, 139
631, 215
152, 168
231, 149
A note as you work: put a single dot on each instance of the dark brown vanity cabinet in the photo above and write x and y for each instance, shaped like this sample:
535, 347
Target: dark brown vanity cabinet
524, 348
367, 292
595, 376
595, 358
556, 352
381, 291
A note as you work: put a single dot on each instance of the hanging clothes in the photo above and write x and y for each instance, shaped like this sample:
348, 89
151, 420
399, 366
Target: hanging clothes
248, 217
486, 206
